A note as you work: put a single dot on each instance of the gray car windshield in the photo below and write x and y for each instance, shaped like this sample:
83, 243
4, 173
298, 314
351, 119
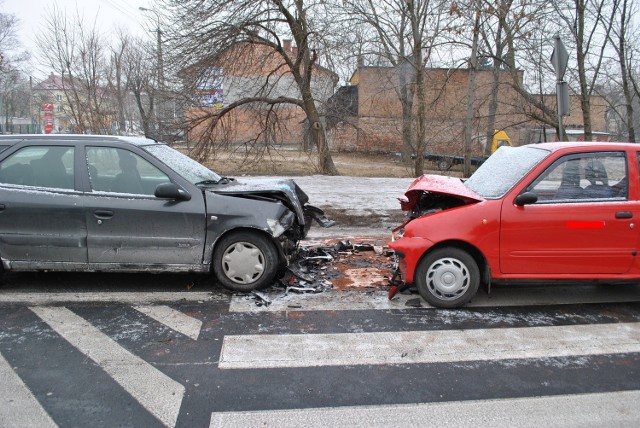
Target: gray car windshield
183, 164
504, 169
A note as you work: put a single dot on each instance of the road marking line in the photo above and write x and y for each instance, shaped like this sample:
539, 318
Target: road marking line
312, 350
173, 319
337, 300
158, 393
580, 410
18, 406
136, 297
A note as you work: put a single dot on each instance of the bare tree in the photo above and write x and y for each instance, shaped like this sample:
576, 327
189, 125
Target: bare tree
8, 37
620, 36
521, 41
588, 23
492, 34
141, 76
14, 86
405, 33
116, 77
207, 35
471, 87
76, 53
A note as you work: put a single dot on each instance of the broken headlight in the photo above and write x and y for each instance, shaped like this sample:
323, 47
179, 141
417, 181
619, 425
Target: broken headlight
397, 233
283, 224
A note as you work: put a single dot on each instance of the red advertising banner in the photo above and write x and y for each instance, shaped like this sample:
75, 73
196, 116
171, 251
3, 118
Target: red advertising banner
48, 117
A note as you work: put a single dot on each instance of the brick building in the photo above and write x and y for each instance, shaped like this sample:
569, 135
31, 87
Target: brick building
367, 114
251, 71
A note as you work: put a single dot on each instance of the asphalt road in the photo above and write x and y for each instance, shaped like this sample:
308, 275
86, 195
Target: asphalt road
174, 350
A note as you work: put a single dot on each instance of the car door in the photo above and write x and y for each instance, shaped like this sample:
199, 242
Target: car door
582, 223
127, 225
41, 215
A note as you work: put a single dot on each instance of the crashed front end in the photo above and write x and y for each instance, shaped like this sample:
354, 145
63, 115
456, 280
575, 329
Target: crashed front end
279, 207
425, 201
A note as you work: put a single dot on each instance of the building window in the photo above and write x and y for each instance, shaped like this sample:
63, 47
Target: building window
58, 97
59, 109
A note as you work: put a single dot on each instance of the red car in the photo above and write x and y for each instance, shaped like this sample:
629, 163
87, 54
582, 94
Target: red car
552, 211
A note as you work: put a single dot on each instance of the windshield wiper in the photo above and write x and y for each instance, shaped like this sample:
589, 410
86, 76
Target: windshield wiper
205, 182
226, 180
222, 180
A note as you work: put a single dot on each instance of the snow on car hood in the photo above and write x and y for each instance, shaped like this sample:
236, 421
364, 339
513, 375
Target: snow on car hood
279, 188
439, 184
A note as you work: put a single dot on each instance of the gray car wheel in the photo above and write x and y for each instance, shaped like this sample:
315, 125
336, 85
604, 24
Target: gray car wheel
245, 261
447, 277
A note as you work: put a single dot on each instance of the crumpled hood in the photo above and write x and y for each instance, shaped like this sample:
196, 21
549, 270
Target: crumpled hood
280, 188
439, 184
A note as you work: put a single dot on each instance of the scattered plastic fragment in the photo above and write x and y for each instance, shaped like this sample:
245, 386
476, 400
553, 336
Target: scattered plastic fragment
262, 298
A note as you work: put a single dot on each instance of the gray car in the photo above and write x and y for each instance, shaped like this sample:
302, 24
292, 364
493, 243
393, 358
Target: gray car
106, 203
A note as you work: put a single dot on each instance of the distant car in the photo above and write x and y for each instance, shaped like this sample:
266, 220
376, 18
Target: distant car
104, 203
553, 211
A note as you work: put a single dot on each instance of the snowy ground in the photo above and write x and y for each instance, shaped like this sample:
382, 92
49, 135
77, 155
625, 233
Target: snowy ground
358, 197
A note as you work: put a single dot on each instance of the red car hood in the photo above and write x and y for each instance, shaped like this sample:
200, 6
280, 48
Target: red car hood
440, 184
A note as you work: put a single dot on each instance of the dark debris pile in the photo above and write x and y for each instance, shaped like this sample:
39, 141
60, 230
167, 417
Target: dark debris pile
311, 270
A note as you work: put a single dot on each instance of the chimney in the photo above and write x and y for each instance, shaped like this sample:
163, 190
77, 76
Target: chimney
287, 45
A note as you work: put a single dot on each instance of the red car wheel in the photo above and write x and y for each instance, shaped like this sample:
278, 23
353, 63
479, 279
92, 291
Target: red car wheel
447, 277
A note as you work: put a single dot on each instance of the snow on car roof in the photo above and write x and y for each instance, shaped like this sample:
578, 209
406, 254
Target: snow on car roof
138, 141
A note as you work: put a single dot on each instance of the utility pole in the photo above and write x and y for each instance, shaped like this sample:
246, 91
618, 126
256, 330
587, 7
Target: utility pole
160, 111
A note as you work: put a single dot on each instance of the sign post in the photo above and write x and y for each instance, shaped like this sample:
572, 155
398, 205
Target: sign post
559, 60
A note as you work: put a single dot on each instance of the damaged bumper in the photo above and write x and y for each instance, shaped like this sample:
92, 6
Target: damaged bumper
397, 284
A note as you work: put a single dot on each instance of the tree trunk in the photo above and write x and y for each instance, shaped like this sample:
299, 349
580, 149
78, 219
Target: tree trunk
495, 83
406, 101
585, 103
625, 75
471, 88
421, 117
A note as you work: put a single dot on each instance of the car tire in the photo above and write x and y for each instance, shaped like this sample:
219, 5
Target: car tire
245, 261
447, 277
444, 165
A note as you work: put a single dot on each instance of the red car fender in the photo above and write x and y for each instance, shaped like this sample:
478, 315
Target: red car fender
409, 251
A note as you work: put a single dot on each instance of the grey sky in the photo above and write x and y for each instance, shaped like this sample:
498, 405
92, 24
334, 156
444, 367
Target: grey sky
109, 14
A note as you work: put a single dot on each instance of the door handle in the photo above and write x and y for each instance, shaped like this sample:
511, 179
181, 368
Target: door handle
624, 214
103, 214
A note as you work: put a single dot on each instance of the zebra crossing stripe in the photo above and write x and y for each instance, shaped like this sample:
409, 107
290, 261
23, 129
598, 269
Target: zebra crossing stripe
173, 319
580, 410
158, 393
312, 350
138, 298
18, 406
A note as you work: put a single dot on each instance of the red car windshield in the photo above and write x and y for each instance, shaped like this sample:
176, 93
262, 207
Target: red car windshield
504, 169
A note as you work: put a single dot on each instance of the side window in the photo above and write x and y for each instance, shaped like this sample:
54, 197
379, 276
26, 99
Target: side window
40, 166
583, 177
121, 171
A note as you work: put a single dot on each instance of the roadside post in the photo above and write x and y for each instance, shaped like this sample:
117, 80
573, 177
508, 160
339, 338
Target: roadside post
559, 60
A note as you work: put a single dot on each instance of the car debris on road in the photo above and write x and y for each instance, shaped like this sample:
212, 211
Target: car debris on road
330, 265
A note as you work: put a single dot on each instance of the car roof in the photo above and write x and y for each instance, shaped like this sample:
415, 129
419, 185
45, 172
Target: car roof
15, 138
593, 145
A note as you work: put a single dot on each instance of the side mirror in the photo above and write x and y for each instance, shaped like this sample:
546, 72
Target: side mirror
526, 198
172, 191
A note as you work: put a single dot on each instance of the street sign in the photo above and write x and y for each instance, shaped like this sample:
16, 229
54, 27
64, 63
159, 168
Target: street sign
559, 58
